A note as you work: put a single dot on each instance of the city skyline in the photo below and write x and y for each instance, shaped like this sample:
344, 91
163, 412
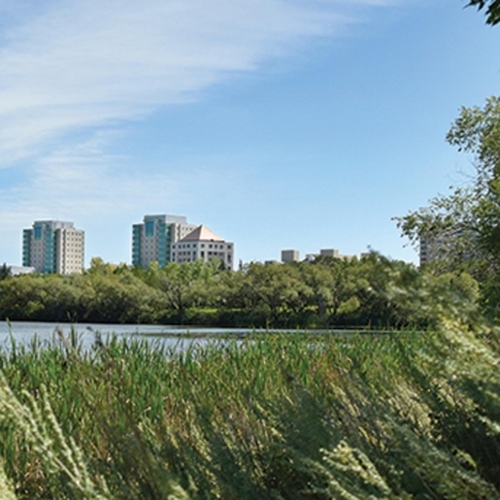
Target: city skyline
57, 247
281, 124
153, 240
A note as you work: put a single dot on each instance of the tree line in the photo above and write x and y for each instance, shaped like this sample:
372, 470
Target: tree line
326, 293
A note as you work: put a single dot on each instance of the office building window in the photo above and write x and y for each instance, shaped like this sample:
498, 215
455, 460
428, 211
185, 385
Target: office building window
150, 228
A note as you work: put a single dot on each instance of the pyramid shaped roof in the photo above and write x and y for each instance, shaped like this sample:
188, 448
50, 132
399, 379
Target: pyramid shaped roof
202, 233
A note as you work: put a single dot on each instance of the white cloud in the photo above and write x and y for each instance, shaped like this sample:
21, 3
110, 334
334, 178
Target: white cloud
83, 182
85, 64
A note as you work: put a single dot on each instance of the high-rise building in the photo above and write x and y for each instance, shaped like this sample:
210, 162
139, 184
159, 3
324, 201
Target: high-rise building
454, 240
152, 239
54, 246
203, 244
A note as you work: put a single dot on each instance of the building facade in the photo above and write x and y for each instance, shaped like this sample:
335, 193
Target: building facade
330, 252
293, 255
152, 240
290, 256
54, 246
20, 270
203, 244
435, 248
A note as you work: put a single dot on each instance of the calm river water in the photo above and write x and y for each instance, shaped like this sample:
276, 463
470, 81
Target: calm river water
23, 332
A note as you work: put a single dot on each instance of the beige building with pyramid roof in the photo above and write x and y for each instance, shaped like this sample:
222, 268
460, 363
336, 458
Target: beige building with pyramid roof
202, 244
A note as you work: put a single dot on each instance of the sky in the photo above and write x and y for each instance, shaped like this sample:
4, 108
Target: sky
279, 124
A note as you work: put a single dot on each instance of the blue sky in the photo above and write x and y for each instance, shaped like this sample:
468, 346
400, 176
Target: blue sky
301, 124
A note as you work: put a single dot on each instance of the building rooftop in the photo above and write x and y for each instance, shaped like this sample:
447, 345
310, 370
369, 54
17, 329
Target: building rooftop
202, 233
167, 218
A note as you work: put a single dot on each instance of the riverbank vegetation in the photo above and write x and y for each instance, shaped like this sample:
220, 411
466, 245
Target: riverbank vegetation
402, 415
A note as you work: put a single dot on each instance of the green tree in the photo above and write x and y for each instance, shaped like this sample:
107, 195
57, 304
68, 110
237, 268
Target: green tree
4, 272
320, 280
119, 297
275, 290
335, 284
98, 266
178, 282
472, 212
22, 298
492, 9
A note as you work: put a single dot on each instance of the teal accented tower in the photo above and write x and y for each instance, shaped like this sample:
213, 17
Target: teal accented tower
163, 239
39, 247
27, 247
136, 244
152, 240
49, 243
53, 247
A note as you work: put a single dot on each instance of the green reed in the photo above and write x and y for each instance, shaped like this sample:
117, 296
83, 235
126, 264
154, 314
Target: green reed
292, 416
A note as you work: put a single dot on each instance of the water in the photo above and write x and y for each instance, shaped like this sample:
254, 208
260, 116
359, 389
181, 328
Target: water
24, 331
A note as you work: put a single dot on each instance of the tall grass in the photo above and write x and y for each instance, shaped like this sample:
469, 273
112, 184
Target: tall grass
404, 415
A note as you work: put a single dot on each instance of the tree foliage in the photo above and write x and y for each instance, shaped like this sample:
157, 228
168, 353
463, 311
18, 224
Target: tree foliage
4, 271
492, 9
470, 215
328, 292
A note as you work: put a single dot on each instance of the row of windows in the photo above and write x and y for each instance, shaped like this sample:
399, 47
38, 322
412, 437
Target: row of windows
187, 254
202, 245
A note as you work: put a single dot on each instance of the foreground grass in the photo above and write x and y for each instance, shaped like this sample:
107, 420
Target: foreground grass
407, 415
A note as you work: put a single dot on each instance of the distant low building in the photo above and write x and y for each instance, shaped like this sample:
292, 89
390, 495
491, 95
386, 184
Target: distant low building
290, 256
333, 252
293, 255
203, 244
329, 252
18, 270
311, 257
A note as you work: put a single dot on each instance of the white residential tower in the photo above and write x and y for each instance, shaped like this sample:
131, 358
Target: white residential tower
54, 246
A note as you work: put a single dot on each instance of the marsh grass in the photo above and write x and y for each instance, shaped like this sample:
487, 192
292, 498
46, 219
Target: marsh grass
292, 416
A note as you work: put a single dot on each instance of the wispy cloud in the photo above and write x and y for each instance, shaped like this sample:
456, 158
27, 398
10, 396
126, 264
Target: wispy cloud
87, 64
83, 181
